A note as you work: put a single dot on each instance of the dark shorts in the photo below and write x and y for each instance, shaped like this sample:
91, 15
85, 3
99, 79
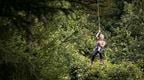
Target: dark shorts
96, 52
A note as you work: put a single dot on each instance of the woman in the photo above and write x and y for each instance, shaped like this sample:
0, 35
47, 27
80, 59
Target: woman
100, 44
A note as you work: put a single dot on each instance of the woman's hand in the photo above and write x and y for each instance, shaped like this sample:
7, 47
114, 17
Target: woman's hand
99, 31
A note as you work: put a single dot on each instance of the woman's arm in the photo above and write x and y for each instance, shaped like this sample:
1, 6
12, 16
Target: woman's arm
97, 35
102, 44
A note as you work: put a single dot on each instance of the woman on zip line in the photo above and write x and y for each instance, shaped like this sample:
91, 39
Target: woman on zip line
100, 42
99, 48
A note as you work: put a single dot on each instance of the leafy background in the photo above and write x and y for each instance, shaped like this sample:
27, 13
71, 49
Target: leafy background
54, 40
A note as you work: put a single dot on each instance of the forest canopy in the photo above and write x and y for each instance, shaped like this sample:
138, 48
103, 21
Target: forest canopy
54, 39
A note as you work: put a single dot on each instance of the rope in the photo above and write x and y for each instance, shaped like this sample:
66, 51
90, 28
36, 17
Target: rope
98, 14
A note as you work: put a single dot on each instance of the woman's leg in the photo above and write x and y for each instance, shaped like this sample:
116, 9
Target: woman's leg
101, 58
93, 56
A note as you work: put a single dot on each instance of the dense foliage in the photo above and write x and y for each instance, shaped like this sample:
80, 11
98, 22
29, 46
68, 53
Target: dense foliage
54, 40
